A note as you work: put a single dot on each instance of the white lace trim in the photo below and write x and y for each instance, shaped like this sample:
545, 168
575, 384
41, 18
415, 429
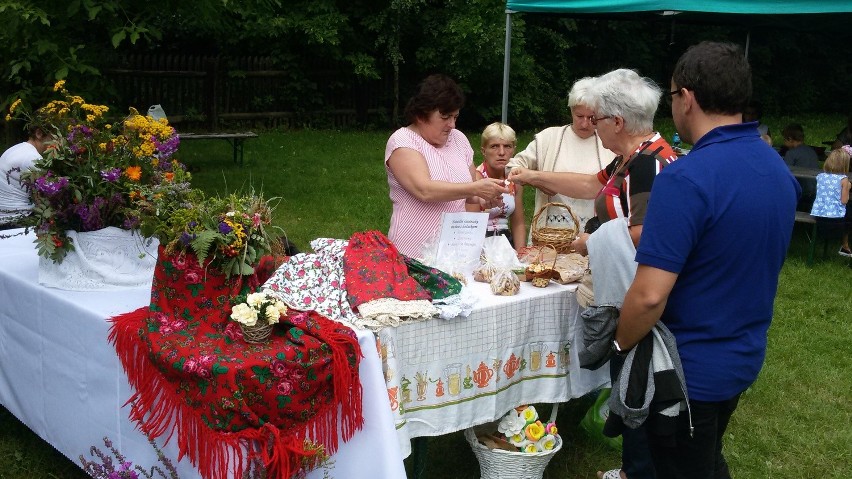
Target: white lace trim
384, 312
103, 260
457, 305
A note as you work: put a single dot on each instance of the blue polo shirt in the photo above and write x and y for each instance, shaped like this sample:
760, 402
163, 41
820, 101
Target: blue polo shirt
721, 217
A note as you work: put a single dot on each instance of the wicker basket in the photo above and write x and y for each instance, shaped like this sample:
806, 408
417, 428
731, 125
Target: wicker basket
257, 334
539, 273
559, 237
500, 464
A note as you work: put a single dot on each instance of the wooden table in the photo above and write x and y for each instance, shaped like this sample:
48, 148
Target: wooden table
235, 139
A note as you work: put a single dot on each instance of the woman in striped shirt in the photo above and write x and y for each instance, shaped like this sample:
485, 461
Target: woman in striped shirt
430, 166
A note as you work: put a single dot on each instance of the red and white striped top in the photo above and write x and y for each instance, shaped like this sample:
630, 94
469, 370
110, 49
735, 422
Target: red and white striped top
414, 222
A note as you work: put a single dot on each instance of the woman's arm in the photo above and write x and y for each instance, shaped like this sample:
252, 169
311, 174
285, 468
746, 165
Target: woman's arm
473, 204
517, 223
845, 185
575, 185
410, 169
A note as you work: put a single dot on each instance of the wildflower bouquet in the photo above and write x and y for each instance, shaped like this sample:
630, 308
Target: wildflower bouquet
523, 429
233, 231
96, 174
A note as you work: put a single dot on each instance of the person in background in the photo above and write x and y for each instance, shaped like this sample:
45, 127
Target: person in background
845, 135
14, 198
798, 153
575, 147
624, 107
429, 165
832, 196
699, 271
754, 112
507, 219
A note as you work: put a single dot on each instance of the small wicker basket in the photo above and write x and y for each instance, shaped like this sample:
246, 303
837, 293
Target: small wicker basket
257, 334
559, 237
540, 273
500, 464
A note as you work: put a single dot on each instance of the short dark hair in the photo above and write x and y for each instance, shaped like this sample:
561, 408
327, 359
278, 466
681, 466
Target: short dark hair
718, 74
435, 92
793, 131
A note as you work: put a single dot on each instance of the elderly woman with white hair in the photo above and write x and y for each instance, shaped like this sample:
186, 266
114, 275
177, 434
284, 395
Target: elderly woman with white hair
574, 148
624, 104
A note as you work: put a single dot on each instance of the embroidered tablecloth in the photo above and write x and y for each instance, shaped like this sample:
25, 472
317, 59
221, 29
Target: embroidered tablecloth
447, 375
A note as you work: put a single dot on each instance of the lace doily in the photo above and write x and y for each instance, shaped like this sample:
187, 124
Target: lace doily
102, 260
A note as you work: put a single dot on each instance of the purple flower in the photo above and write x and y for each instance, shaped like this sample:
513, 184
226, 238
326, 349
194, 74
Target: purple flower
224, 228
167, 148
131, 222
49, 186
90, 215
186, 238
111, 175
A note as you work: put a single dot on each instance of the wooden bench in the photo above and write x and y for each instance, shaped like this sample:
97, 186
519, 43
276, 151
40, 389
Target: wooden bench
235, 139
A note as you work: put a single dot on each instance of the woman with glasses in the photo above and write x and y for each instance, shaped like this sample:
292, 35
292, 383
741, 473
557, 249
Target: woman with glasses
624, 105
574, 147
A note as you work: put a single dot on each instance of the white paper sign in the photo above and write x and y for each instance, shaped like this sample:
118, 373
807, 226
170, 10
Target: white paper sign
462, 236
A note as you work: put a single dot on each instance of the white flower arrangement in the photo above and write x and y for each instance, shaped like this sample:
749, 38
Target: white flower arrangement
524, 430
256, 306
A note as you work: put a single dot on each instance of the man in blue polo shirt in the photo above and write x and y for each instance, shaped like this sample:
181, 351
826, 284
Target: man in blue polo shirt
716, 233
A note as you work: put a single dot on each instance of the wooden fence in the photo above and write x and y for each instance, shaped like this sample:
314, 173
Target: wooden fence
215, 92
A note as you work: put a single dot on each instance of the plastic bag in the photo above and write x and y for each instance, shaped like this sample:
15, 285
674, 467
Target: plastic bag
593, 421
497, 262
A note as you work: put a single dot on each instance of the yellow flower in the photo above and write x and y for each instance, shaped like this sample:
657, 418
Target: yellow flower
8, 117
59, 85
529, 414
547, 443
531, 448
14, 106
534, 431
133, 172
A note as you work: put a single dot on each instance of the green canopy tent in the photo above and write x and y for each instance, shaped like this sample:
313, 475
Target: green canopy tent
718, 11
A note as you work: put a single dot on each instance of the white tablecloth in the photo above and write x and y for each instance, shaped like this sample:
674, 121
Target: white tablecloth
447, 375
60, 376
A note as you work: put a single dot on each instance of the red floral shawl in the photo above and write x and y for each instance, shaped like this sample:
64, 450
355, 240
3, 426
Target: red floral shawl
230, 402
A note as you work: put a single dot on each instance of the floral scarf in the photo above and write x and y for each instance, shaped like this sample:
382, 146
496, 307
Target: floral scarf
229, 402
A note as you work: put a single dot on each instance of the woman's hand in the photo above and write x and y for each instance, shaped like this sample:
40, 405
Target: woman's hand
522, 176
490, 190
579, 244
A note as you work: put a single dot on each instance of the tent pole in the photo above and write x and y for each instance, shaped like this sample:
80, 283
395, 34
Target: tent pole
748, 42
506, 56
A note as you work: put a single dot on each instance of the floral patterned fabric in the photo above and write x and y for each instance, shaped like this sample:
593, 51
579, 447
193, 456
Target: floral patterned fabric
439, 284
228, 401
315, 282
374, 269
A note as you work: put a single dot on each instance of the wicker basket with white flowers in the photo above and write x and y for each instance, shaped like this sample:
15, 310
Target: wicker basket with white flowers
521, 447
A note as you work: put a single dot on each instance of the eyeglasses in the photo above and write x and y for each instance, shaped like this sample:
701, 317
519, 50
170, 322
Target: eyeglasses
671, 95
596, 119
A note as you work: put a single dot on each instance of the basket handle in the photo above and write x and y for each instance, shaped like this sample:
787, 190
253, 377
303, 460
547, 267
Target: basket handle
562, 205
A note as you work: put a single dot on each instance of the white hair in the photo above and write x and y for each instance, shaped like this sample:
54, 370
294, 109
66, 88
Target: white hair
625, 93
580, 93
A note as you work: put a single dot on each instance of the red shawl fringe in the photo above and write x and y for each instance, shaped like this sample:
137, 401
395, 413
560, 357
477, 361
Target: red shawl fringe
157, 410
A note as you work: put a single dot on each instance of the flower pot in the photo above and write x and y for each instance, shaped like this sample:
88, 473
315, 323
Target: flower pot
102, 260
257, 334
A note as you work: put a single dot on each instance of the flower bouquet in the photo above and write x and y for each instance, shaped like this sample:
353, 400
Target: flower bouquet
256, 313
521, 446
97, 173
229, 234
90, 189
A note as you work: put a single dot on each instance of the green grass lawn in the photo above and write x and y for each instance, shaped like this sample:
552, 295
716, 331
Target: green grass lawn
793, 423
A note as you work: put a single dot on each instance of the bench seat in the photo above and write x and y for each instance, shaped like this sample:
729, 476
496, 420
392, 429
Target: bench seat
235, 139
